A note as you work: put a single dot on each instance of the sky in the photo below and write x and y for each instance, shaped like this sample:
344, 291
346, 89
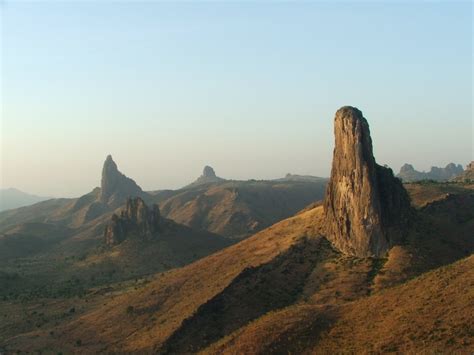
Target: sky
248, 87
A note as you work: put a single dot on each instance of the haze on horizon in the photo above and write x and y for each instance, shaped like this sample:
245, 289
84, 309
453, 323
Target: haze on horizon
249, 88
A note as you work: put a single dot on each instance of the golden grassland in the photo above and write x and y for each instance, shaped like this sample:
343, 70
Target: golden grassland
283, 288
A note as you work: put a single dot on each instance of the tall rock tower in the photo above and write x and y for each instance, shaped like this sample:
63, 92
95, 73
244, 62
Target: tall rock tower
366, 207
116, 187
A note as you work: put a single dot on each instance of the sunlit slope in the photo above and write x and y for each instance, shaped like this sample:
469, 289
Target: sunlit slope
240, 208
289, 264
161, 306
430, 314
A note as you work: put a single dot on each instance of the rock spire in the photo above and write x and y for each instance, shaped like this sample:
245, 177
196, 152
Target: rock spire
115, 186
366, 207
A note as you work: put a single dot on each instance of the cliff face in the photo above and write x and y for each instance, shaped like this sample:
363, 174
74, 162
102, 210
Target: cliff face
115, 186
365, 206
135, 221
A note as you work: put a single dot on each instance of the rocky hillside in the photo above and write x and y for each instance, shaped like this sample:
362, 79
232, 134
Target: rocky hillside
409, 174
238, 209
231, 208
467, 175
208, 177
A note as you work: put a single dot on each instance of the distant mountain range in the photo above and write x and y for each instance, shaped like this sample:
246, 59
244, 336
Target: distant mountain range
409, 174
14, 198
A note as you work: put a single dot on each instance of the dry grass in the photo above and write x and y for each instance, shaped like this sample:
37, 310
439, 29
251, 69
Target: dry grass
241, 298
430, 314
159, 308
240, 208
423, 194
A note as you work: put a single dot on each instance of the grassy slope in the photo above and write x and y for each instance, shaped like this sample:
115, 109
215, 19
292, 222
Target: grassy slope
240, 208
160, 307
430, 314
422, 194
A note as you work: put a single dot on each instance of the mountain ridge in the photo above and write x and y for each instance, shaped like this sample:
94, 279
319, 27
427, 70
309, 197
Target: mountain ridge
450, 171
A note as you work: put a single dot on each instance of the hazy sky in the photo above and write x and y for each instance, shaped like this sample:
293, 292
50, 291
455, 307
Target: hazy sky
249, 88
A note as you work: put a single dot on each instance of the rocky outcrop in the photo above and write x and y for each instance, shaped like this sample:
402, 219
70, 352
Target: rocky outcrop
115, 186
208, 172
467, 175
208, 176
409, 174
366, 207
135, 221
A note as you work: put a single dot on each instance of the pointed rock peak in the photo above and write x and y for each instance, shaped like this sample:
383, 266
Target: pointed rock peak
208, 172
115, 186
208, 176
109, 166
365, 205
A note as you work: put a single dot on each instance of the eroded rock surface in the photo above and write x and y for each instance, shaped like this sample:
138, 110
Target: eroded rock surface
366, 207
135, 221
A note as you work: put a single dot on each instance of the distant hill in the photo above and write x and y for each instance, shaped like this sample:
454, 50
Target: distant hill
78, 212
230, 208
14, 198
208, 176
238, 208
301, 178
409, 174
